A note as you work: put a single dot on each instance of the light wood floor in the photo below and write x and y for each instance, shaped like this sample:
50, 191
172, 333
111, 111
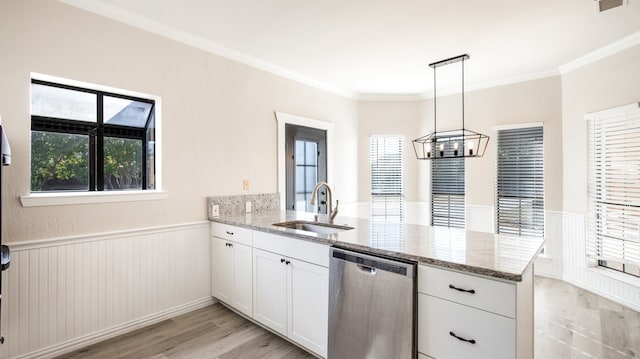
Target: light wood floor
569, 323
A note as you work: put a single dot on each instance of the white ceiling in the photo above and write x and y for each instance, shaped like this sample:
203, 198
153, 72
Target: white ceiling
370, 47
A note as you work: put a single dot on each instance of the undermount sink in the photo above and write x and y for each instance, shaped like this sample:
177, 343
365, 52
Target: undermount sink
315, 227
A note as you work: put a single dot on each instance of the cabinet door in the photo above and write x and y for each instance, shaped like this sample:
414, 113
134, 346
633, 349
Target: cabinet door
221, 257
270, 290
486, 335
308, 305
242, 279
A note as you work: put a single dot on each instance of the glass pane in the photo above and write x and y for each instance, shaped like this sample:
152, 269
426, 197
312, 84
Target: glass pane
59, 162
311, 178
57, 102
299, 179
122, 164
301, 202
123, 112
299, 155
311, 153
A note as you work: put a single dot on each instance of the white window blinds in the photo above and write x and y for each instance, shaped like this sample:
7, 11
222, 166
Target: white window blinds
520, 181
387, 178
447, 192
614, 187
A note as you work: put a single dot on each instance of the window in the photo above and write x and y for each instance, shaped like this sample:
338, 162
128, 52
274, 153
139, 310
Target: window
614, 189
387, 191
89, 140
447, 192
520, 181
387, 178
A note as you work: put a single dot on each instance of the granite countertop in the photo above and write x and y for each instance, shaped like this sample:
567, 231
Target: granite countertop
495, 255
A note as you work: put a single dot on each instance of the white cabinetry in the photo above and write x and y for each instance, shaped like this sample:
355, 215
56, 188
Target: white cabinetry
290, 293
467, 316
231, 266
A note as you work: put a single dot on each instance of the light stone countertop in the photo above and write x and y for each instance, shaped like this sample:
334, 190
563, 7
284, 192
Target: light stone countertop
495, 255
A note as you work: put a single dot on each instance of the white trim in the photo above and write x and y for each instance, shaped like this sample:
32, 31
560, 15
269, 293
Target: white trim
91, 86
394, 97
201, 43
517, 126
468, 88
284, 119
101, 335
61, 199
61, 241
601, 53
613, 112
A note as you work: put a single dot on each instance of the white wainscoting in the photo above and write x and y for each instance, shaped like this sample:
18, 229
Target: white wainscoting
480, 218
62, 294
550, 264
620, 288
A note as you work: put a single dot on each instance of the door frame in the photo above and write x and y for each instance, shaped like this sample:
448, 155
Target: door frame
285, 118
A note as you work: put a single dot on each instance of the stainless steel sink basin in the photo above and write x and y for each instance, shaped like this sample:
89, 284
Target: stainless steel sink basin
315, 227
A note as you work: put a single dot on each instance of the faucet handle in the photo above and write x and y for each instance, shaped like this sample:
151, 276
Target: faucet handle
335, 210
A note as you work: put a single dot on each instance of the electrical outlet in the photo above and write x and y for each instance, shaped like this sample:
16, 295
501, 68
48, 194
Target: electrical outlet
247, 207
215, 210
245, 184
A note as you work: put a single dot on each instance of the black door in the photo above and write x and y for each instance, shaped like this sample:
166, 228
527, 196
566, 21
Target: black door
306, 159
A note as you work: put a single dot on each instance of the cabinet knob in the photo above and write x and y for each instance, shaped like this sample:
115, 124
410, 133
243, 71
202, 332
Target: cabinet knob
470, 291
471, 341
282, 260
287, 262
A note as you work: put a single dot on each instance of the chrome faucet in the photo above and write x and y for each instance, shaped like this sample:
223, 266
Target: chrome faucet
330, 211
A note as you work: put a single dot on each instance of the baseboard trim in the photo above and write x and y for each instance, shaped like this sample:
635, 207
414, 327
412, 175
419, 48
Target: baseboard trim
80, 342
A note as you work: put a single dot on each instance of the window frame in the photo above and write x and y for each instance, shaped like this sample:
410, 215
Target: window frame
604, 191
44, 123
537, 202
455, 168
387, 206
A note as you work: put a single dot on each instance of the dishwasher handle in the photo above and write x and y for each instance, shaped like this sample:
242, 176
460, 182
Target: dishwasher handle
375, 263
366, 269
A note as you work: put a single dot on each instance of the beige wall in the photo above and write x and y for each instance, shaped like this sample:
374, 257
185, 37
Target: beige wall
611, 82
396, 118
218, 117
520, 103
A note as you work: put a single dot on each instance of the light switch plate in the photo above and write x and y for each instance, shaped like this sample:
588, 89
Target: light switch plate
247, 207
215, 210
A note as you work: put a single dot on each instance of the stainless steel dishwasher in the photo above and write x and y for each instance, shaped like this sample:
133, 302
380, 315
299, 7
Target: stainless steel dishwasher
372, 307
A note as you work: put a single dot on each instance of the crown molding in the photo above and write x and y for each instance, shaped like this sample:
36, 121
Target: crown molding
158, 28
601, 53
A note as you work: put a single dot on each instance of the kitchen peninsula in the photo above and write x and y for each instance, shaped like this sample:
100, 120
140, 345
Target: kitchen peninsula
466, 281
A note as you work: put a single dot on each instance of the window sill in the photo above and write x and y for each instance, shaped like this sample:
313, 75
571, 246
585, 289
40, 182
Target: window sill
61, 199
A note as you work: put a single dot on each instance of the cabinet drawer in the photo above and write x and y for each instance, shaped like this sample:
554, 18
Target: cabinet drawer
293, 248
231, 233
438, 319
490, 295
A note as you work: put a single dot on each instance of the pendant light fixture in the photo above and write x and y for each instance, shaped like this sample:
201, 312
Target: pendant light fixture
454, 143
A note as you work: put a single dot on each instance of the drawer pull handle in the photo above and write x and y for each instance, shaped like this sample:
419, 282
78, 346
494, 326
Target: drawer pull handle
230, 233
472, 291
472, 341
